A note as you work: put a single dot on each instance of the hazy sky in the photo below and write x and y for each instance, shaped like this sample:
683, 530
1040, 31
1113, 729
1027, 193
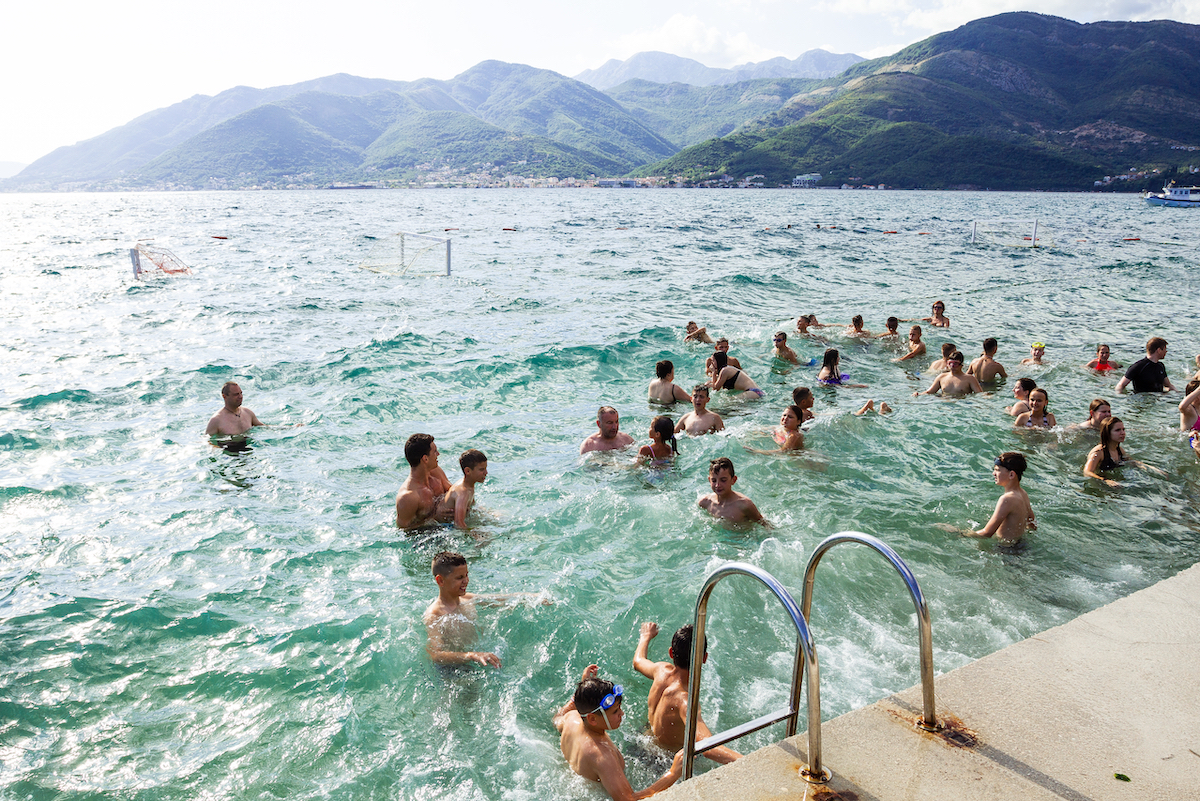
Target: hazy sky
72, 69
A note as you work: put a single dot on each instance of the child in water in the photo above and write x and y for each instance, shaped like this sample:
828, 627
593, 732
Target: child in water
1014, 514
723, 502
1101, 364
662, 445
459, 499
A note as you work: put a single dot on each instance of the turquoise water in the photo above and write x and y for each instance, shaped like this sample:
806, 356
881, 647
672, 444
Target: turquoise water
179, 622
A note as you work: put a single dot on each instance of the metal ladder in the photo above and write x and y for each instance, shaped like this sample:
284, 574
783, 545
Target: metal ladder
805, 659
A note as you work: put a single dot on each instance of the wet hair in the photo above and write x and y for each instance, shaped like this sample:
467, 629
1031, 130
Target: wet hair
225, 387
1106, 428
444, 562
916, 328
417, 446
811, 318
471, 458
830, 359
605, 410
665, 428
1102, 345
1045, 395
940, 303
719, 341
1191, 386
702, 387
782, 336
799, 394
796, 410
1154, 344
1027, 384
947, 349
893, 323
721, 463
1011, 460
857, 320
990, 344
681, 647
691, 324
664, 368
721, 360
589, 693
1096, 404
956, 356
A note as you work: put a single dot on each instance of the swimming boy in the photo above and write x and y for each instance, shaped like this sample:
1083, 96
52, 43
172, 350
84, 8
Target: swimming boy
663, 388
696, 334
700, 420
585, 742
669, 692
940, 366
1036, 351
459, 499
723, 501
1148, 374
892, 332
450, 619
986, 368
955, 382
234, 419
803, 397
1014, 514
782, 351
417, 500
720, 346
915, 346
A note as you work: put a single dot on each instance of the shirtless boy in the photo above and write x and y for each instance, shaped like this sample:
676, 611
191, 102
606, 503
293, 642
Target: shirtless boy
700, 420
417, 500
450, 619
609, 437
782, 351
1013, 515
721, 346
663, 388
955, 382
235, 419
696, 334
915, 346
1036, 351
940, 365
586, 744
459, 499
803, 397
892, 332
986, 368
723, 501
669, 692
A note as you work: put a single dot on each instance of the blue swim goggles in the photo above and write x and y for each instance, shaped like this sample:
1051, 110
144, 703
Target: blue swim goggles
608, 702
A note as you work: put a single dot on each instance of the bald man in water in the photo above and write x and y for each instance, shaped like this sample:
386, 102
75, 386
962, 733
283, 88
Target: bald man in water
235, 419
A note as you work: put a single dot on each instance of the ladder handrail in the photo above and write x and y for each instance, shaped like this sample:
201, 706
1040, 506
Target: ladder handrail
928, 720
805, 662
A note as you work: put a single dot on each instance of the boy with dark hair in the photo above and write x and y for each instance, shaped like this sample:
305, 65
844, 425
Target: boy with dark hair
700, 420
459, 499
985, 367
803, 397
417, 499
781, 350
723, 502
1148, 374
585, 742
669, 692
663, 388
892, 332
450, 619
1014, 514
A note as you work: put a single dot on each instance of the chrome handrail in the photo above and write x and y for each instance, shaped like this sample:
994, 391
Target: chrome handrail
805, 663
928, 720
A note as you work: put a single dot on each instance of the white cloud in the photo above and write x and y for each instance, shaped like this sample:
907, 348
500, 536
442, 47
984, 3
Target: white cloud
690, 37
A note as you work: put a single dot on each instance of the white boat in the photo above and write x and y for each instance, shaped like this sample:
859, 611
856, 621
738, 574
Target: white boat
1172, 195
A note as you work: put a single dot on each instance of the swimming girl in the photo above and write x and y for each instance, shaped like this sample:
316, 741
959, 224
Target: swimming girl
1099, 410
1189, 407
725, 376
1108, 454
1037, 416
1101, 364
662, 441
788, 435
1021, 391
830, 375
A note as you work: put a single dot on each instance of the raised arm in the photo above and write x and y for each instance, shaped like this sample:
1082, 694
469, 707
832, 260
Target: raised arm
641, 657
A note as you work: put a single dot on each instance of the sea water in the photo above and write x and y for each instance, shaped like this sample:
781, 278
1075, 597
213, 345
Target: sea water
177, 621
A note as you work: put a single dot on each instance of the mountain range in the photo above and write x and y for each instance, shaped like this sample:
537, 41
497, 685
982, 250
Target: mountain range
1014, 101
658, 67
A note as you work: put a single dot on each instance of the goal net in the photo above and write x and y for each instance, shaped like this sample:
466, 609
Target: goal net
149, 262
1012, 233
407, 253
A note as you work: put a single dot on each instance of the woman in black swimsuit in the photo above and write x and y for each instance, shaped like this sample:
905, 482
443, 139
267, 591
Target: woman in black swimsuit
1108, 454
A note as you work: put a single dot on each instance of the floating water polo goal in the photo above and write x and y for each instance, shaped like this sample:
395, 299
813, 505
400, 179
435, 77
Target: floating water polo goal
1011, 233
406, 253
149, 262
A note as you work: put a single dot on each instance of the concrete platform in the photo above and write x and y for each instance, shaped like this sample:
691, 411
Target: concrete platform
1053, 717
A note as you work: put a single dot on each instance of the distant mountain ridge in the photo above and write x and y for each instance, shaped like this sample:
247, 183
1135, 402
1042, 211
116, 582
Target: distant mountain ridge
659, 67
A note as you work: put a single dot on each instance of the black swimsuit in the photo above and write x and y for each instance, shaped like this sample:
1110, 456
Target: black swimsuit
1108, 464
731, 383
